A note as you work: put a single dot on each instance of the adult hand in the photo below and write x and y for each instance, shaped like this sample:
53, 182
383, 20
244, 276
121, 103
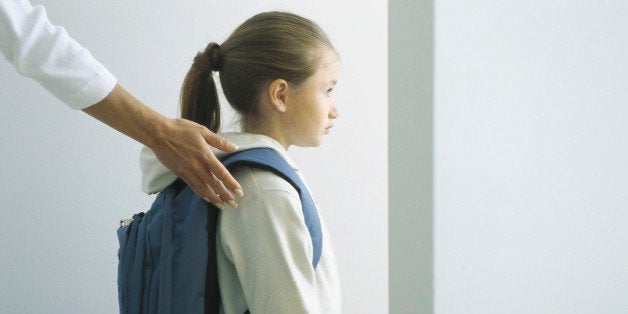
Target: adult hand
181, 145
183, 148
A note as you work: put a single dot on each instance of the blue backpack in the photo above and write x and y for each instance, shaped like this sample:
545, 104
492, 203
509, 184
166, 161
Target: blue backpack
167, 257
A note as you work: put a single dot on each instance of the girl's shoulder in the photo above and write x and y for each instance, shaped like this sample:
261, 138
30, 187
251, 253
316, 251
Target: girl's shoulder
268, 200
256, 181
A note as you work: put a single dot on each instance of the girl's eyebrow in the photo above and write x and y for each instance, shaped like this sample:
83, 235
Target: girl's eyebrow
334, 82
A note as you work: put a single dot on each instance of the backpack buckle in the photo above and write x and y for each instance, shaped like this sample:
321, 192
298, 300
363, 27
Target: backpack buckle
125, 222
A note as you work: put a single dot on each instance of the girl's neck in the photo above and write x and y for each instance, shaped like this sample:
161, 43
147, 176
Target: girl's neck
268, 131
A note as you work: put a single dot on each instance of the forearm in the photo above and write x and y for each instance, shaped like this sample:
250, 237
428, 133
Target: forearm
123, 112
46, 53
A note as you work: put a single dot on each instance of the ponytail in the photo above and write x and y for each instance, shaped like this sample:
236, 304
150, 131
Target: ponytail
199, 98
266, 47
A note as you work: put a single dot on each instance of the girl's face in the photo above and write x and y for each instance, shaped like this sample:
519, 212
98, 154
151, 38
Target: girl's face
311, 107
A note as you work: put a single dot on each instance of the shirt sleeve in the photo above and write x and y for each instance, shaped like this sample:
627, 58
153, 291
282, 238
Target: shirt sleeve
46, 53
272, 252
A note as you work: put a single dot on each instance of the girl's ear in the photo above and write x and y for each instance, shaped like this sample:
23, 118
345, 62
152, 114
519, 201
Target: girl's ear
277, 92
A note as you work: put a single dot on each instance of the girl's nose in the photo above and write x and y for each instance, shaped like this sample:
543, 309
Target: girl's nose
334, 113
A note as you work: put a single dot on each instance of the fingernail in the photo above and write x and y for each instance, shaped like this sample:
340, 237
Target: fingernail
207, 200
233, 146
220, 205
238, 192
232, 203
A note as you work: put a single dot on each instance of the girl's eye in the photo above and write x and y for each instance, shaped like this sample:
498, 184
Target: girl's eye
329, 91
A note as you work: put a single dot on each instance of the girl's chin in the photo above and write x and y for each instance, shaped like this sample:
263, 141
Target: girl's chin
314, 143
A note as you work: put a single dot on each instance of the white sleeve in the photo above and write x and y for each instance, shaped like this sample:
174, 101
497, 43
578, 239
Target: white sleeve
271, 249
46, 53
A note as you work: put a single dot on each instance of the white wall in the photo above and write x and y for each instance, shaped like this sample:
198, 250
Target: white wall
67, 179
531, 155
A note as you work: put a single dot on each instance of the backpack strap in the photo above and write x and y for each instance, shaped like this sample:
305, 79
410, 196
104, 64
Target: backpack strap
269, 159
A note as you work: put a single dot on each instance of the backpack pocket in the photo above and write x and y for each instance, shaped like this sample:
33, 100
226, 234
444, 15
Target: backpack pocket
127, 255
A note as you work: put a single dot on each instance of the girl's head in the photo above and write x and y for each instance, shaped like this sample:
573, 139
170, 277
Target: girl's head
277, 70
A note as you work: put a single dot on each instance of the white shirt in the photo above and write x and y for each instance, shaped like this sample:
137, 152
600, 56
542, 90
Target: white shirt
46, 53
264, 248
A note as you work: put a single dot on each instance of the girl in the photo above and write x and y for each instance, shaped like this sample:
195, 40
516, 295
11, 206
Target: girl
278, 71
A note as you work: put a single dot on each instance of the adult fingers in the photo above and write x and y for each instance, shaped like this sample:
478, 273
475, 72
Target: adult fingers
201, 187
218, 141
218, 170
211, 180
